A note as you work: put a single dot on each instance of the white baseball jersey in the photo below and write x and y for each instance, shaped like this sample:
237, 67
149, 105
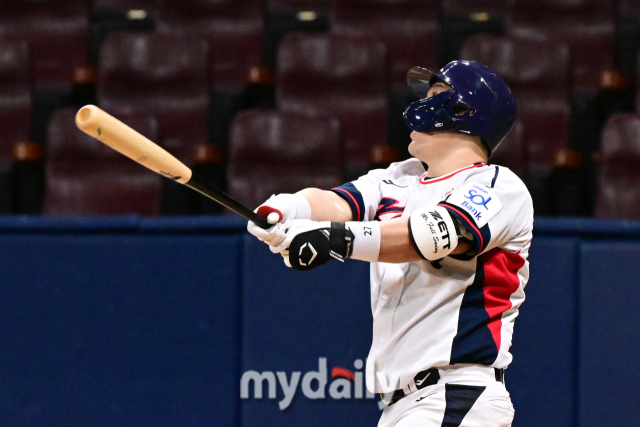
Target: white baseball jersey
461, 309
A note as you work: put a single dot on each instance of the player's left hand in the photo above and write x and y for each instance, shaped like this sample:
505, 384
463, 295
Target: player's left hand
310, 244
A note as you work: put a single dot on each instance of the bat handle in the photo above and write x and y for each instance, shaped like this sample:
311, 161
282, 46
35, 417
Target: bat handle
202, 187
260, 221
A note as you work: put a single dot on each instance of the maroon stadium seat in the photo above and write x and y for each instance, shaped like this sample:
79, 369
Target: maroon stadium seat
408, 28
15, 95
57, 32
163, 74
232, 27
85, 177
619, 181
274, 152
539, 82
587, 25
341, 75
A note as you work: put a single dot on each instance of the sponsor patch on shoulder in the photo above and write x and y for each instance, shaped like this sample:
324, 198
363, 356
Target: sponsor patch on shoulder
479, 201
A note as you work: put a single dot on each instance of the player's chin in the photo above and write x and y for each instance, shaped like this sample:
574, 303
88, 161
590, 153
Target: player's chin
416, 148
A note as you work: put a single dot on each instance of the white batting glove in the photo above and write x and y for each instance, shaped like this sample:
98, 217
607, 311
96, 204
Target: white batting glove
279, 210
296, 227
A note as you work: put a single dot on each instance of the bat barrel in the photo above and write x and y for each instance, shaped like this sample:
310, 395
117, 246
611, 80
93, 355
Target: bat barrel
112, 132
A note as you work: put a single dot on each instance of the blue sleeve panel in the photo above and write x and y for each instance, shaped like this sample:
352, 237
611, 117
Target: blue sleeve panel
481, 236
352, 195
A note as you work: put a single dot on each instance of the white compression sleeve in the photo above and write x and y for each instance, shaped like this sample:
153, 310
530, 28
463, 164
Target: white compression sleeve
303, 208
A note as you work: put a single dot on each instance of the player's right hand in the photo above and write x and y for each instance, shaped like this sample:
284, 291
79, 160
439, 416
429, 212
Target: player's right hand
279, 210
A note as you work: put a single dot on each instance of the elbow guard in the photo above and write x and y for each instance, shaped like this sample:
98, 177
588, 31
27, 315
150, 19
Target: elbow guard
434, 232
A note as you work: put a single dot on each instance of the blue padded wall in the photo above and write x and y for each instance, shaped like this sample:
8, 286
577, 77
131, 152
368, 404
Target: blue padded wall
152, 322
119, 329
610, 334
293, 318
541, 378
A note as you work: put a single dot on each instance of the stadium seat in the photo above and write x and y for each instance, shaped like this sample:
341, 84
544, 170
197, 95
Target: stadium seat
464, 18
85, 177
619, 182
540, 84
587, 25
285, 16
233, 29
274, 152
110, 16
162, 74
57, 32
15, 95
409, 29
341, 75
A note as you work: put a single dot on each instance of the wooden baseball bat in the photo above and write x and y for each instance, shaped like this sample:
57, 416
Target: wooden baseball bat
110, 131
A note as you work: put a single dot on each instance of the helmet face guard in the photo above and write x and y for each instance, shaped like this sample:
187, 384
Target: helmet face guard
478, 103
441, 112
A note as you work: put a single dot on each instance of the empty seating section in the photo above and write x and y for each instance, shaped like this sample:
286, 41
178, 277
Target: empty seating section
233, 29
275, 151
85, 177
619, 182
541, 86
338, 66
342, 75
57, 32
539, 82
410, 30
464, 18
163, 74
15, 95
587, 25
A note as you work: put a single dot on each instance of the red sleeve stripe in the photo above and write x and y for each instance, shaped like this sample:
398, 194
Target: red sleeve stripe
473, 226
352, 198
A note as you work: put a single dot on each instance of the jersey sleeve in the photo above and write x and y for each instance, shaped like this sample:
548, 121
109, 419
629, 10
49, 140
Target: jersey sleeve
495, 208
363, 195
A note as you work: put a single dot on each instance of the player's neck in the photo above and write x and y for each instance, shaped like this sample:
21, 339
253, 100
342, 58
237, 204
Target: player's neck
454, 159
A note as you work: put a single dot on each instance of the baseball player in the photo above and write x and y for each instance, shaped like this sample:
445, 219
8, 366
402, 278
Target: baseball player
447, 236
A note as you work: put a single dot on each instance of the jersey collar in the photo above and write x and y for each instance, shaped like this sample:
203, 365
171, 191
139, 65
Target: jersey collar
424, 179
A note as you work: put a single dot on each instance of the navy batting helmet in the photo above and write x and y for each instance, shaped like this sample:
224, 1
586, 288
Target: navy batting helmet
478, 103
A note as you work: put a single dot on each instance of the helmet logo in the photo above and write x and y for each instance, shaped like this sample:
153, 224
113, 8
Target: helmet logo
439, 125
